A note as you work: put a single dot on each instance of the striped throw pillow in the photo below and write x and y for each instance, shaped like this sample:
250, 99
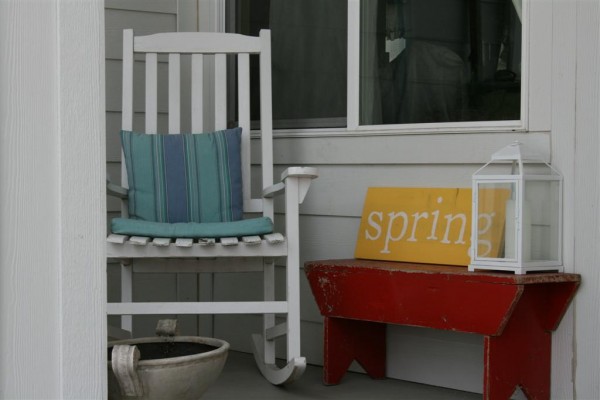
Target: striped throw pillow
184, 177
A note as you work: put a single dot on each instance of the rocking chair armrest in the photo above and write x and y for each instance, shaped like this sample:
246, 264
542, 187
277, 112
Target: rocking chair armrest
300, 172
115, 190
274, 190
291, 172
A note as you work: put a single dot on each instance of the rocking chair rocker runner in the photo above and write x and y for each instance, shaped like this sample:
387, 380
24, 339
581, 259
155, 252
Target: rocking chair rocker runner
187, 192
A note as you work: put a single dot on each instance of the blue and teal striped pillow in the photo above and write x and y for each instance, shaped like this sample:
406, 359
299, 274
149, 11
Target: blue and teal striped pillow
184, 177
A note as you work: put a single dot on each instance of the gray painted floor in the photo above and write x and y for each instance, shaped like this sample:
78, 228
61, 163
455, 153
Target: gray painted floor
242, 380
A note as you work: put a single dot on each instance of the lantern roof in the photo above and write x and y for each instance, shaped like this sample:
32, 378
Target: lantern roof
519, 155
517, 151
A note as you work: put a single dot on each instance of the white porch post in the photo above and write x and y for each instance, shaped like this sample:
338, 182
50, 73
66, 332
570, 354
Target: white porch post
52, 202
82, 198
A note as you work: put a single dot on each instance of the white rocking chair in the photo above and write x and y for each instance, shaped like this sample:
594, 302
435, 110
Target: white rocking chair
241, 251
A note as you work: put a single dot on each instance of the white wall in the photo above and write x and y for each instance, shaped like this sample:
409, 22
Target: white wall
52, 330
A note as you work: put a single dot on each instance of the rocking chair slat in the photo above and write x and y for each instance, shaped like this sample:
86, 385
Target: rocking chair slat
197, 42
161, 242
252, 240
183, 242
229, 241
276, 331
127, 102
139, 240
151, 92
174, 93
220, 92
130, 250
238, 307
274, 238
118, 239
197, 85
244, 119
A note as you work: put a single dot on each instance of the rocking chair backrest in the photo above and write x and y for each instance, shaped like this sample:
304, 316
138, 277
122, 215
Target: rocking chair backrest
198, 44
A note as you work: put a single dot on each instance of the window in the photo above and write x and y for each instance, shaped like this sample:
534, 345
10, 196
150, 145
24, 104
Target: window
439, 61
390, 63
308, 54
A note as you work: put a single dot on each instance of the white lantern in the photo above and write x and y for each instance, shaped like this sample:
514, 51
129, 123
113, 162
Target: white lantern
517, 213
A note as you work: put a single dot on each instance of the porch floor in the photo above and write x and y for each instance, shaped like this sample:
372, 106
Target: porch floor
242, 380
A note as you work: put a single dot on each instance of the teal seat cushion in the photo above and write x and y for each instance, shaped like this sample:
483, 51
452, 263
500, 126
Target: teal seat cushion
245, 227
184, 177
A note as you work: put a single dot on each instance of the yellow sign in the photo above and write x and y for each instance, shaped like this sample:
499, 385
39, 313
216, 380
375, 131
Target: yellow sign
425, 225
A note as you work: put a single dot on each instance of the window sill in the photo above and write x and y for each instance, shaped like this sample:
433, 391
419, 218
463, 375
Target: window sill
331, 147
407, 129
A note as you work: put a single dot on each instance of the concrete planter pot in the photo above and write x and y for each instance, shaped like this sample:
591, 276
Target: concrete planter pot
164, 367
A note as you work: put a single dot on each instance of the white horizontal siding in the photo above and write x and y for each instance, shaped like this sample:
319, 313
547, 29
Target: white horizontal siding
326, 147
151, 6
340, 189
433, 357
114, 86
142, 23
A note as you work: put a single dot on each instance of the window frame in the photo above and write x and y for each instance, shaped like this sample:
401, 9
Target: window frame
536, 88
353, 91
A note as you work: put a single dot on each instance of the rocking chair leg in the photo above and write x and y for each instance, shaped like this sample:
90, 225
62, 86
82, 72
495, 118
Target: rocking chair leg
126, 294
264, 344
277, 376
268, 319
292, 223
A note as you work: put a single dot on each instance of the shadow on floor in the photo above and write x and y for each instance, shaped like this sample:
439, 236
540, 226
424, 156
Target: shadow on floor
242, 380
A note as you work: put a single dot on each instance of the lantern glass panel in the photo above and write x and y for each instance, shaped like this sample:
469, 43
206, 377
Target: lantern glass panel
541, 218
496, 213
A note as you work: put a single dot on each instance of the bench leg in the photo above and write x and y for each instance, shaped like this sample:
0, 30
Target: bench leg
346, 340
520, 356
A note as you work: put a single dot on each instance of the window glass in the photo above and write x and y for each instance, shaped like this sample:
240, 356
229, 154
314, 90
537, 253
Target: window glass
421, 61
309, 58
425, 61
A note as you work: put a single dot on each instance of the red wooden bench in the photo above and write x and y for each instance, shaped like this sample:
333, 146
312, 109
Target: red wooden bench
515, 313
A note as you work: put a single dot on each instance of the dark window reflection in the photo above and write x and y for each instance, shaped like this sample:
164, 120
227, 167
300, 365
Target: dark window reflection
439, 61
